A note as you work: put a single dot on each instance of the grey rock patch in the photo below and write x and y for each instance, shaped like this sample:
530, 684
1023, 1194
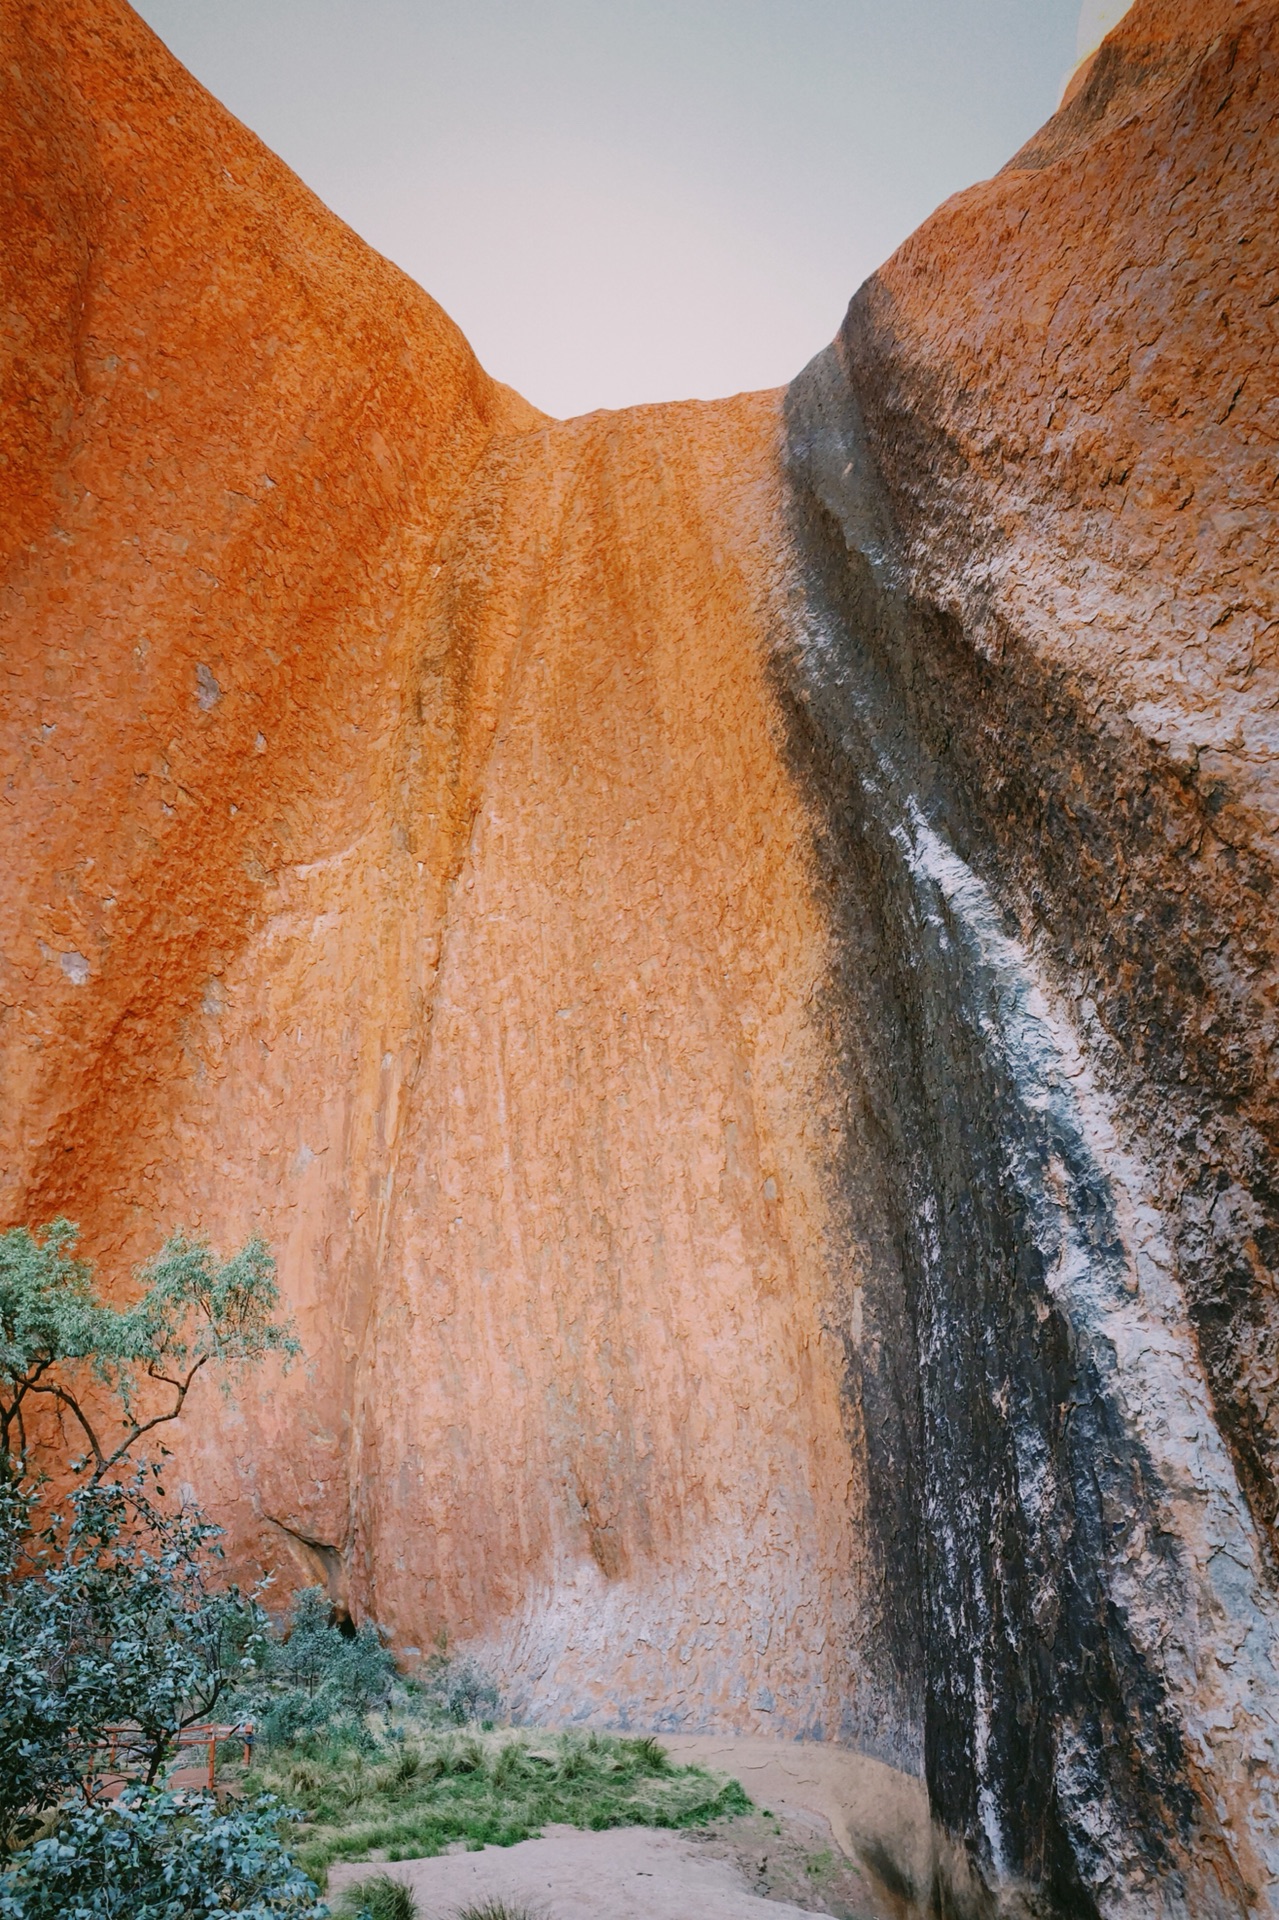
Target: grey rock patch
207, 690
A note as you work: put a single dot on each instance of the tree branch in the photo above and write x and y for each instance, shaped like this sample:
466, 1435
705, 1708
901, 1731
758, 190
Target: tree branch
181, 1388
13, 1411
69, 1400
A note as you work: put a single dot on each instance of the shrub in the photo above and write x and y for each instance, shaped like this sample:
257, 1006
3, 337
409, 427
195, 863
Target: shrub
312, 1681
458, 1689
153, 1855
108, 1611
108, 1618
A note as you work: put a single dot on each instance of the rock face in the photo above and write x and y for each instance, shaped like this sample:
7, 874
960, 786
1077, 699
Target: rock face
404, 863
1034, 687
729, 948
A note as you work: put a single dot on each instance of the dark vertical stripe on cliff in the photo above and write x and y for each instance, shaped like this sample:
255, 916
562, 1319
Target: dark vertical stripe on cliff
1008, 1490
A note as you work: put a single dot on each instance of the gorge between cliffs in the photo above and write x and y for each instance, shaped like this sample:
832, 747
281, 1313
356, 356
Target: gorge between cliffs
729, 947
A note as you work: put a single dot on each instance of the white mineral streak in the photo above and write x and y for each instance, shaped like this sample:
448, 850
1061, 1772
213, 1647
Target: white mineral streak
1221, 1660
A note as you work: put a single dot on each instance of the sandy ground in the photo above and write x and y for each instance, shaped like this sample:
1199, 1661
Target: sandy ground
872, 1809
632, 1873
825, 1818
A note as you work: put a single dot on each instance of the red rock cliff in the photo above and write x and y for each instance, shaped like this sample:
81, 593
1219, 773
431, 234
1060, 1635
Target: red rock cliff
725, 946
404, 866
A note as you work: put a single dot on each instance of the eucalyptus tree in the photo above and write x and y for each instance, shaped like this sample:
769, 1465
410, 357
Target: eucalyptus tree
113, 1612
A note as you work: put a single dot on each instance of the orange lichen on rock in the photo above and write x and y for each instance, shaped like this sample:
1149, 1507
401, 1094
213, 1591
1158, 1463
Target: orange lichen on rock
229, 429
413, 877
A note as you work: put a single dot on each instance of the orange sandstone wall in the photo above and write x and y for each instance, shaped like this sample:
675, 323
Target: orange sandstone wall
600, 1414
728, 948
403, 866
595, 1426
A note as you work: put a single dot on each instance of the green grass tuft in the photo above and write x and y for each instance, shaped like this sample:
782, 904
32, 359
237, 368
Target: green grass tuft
488, 1790
496, 1910
379, 1898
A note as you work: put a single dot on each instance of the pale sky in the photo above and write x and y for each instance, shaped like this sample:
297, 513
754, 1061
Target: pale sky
631, 200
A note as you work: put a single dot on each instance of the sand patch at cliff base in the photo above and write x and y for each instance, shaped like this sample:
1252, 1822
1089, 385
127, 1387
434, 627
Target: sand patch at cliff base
838, 1816
873, 1810
628, 1873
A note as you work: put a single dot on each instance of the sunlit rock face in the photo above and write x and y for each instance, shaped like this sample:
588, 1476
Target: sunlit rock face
729, 948
403, 863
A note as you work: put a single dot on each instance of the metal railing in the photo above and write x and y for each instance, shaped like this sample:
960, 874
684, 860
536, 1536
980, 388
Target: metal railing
126, 1746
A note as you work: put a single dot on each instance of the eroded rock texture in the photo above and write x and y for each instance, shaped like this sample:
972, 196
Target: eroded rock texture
728, 947
404, 862
1034, 689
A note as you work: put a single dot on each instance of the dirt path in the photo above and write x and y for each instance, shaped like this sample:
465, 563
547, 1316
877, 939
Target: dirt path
874, 1811
825, 1820
631, 1873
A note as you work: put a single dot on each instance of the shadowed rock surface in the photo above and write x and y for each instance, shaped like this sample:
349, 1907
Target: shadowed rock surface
729, 947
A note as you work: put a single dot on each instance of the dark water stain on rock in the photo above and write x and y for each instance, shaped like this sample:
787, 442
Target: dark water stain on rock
1014, 1500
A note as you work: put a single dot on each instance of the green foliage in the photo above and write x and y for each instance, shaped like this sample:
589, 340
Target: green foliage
416, 1795
153, 1855
62, 1345
379, 1898
652, 1753
109, 1616
457, 1689
311, 1678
